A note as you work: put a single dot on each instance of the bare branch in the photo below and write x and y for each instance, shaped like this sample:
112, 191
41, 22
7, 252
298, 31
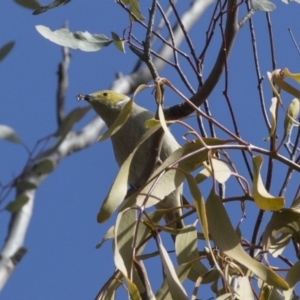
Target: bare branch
75, 141
231, 30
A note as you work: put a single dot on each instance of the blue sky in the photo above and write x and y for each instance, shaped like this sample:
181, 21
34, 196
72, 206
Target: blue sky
62, 262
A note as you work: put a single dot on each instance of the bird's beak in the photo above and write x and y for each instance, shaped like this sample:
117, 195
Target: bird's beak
84, 97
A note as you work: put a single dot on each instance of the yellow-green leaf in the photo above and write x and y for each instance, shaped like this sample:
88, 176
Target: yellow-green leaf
295, 76
124, 233
275, 76
273, 118
186, 251
261, 196
203, 175
176, 289
124, 236
164, 291
224, 236
244, 289
278, 77
283, 225
135, 10
220, 170
291, 115
292, 277
109, 235
199, 204
192, 155
119, 43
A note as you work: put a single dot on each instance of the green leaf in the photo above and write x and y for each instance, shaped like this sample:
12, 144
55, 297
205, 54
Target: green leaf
227, 296
31, 4
53, 4
296, 205
109, 235
283, 225
176, 289
134, 9
244, 290
261, 196
203, 175
8, 134
199, 205
119, 43
278, 76
191, 156
44, 167
186, 251
224, 236
16, 205
291, 115
164, 291
83, 41
292, 277
273, 117
202, 217
220, 170
124, 234
124, 237
73, 117
4, 50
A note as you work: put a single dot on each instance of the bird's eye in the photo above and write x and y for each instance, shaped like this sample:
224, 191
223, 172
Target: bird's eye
105, 94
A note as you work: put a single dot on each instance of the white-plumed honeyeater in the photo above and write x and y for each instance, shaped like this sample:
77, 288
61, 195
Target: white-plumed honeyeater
108, 105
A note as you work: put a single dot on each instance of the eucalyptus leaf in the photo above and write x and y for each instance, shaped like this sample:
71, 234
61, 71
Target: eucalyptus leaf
119, 43
292, 278
44, 167
176, 289
291, 115
263, 5
261, 196
4, 50
186, 251
73, 117
17, 204
288, 1
273, 106
83, 41
219, 224
8, 134
31, 4
134, 9
53, 4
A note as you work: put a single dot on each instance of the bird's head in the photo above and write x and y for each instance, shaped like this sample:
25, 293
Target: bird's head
106, 103
106, 97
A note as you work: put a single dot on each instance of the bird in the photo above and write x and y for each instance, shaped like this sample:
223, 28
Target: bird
108, 105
